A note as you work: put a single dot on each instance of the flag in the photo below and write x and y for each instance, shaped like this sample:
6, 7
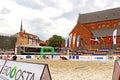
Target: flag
74, 37
66, 42
102, 39
70, 39
114, 36
94, 40
109, 38
78, 39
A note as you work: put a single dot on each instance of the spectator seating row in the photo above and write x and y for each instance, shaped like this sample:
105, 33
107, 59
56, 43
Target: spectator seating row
100, 51
116, 52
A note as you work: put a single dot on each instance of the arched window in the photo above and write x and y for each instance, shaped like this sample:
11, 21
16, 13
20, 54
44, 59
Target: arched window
103, 25
107, 25
118, 23
115, 25
99, 26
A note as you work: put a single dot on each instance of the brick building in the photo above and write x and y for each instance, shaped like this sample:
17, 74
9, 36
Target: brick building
96, 29
24, 38
7, 43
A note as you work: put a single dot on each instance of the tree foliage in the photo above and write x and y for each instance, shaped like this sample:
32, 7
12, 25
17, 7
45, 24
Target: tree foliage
55, 41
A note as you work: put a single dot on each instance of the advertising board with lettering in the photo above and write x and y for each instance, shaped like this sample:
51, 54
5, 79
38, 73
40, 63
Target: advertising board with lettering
86, 58
99, 57
14, 70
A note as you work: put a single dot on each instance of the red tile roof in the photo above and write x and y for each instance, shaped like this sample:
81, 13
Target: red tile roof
42, 42
22, 33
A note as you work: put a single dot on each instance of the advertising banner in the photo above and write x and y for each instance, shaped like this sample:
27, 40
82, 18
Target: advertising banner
21, 56
13, 70
99, 57
78, 58
86, 58
111, 58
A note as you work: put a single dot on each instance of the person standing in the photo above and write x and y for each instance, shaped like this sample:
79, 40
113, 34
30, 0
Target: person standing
14, 57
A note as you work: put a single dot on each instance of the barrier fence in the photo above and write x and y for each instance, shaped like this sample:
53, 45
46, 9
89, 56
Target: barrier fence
70, 57
92, 58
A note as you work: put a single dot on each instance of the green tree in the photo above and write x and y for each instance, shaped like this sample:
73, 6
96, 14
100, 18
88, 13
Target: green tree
55, 41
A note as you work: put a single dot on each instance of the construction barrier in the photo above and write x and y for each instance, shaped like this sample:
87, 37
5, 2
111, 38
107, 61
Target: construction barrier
70, 57
96, 57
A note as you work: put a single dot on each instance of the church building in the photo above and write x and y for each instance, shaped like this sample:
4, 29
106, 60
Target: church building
24, 38
96, 30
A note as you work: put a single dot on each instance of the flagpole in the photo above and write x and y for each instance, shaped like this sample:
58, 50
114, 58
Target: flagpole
67, 46
68, 53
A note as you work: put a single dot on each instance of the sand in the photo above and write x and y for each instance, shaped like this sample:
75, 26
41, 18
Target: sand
78, 70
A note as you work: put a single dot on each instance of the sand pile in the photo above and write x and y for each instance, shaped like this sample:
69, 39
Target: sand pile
78, 70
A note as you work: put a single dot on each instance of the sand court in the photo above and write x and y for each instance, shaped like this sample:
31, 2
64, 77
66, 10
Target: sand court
77, 70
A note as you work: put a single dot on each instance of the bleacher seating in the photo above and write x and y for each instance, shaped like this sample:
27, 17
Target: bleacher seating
103, 49
89, 52
116, 52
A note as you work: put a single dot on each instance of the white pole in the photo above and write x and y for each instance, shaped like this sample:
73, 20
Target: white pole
68, 53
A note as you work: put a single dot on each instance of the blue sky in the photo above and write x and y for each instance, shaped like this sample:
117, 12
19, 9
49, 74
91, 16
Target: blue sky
45, 18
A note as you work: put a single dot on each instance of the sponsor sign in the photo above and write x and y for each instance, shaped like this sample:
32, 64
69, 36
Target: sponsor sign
13, 70
111, 57
56, 57
72, 57
77, 57
28, 57
99, 57
2, 63
36, 56
88, 58
21, 56
117, 57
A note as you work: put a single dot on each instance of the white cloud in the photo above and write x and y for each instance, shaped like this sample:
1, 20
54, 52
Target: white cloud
100, 3
46, 17
61, 26
116, 4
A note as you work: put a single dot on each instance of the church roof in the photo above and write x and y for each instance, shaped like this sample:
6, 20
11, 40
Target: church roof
28, 34
103, 32
109, 14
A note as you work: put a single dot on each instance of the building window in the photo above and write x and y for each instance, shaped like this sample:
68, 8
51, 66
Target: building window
118, 23
99, 26
107, 25
115, 25
103, 25
92, 27
106, 17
